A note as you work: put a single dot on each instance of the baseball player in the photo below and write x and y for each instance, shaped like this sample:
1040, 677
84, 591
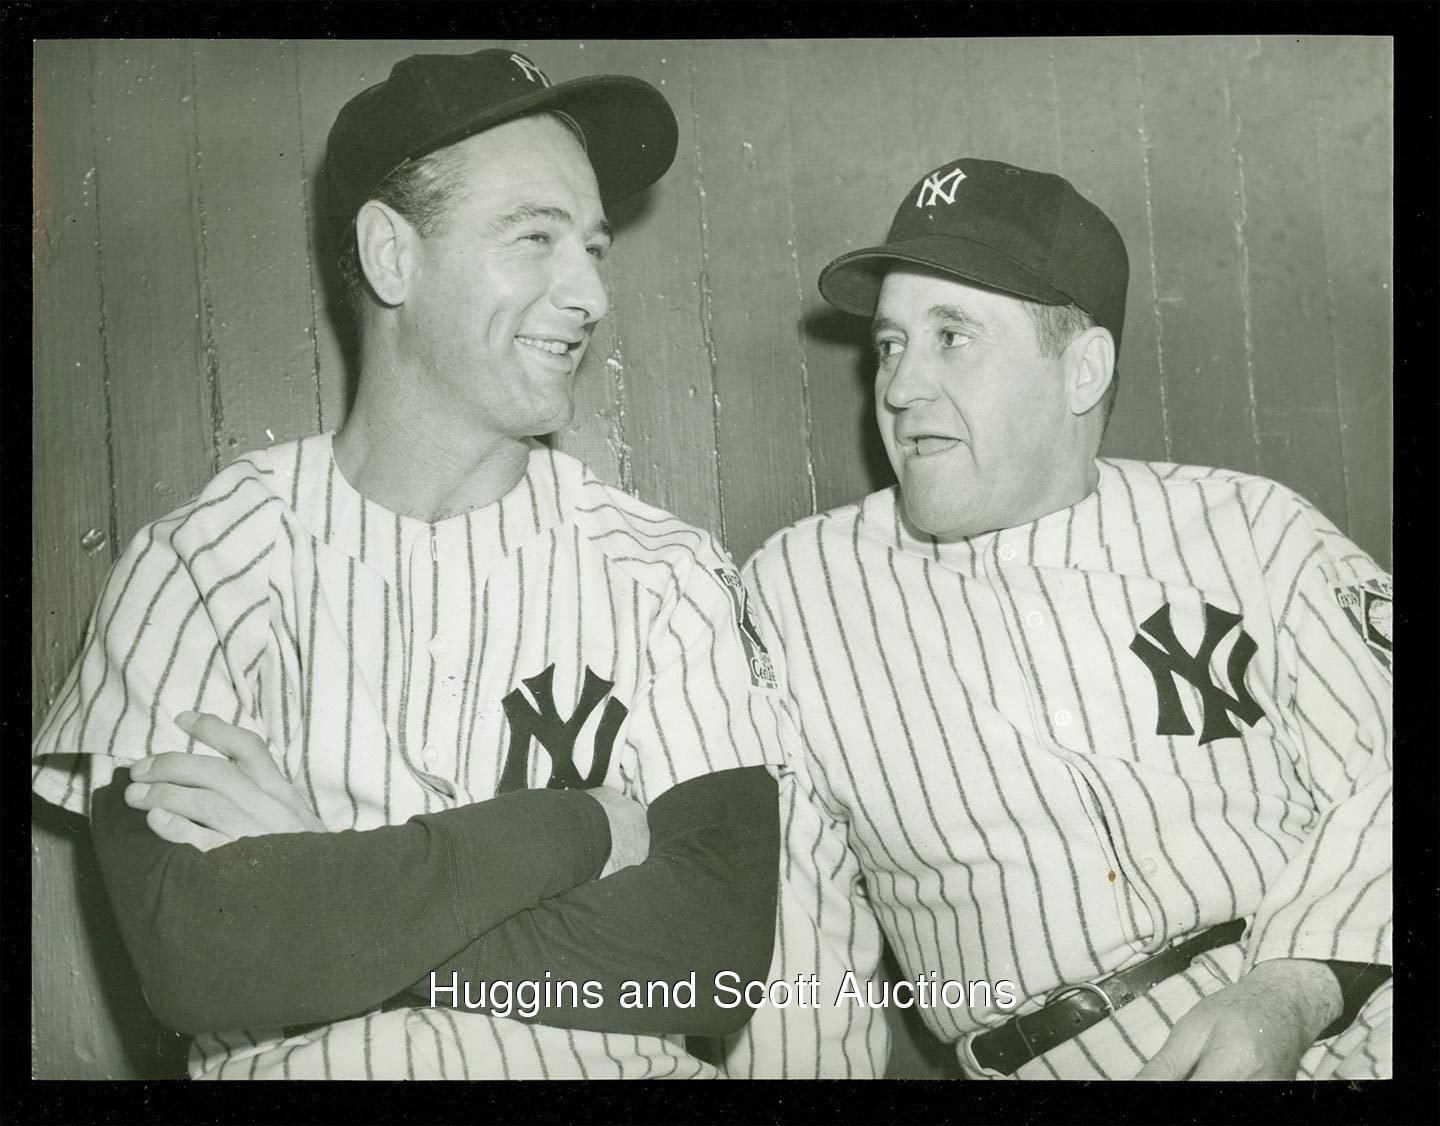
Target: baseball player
1116, 733
434, 631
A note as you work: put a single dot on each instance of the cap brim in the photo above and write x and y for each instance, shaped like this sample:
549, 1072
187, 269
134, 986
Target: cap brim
852, 282
630, 130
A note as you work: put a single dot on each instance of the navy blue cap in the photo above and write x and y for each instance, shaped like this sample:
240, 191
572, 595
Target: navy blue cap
430, 101
1028, 234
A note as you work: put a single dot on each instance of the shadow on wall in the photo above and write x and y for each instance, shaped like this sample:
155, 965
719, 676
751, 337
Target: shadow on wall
837, 331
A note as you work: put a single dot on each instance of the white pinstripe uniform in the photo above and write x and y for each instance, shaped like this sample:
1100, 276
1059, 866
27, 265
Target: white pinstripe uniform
374, 650
980, 715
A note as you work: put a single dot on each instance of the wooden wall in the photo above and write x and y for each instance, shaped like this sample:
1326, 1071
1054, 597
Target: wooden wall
182, 296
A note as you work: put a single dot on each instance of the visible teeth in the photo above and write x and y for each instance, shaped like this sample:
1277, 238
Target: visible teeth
554, 347
928, 444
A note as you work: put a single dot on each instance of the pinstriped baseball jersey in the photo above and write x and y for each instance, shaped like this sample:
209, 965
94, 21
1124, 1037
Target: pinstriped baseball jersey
823, 929
399, 667
1060, 746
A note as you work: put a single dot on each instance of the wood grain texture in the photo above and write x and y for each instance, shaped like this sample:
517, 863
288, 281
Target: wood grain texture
88, 1017
1288, 347
184, 307
843, 190
1100, 118
659, 309
1350, 91
755, 352
1193, 183
160, 401
257, 303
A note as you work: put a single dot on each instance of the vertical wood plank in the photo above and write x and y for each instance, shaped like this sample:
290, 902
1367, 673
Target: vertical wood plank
1351, 96
658, 309
743, 146
1098, 101
1284, 269
88, 1017
258, 293
1011, 113
1192, 181
160, 401
849, 164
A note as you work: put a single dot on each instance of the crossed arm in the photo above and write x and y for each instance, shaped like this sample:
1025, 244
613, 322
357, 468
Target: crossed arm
238, 912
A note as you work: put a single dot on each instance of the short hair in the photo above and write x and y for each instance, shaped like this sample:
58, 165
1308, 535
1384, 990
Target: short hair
424, 191
1055, 327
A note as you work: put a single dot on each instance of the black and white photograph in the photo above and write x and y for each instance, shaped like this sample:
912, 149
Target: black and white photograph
698, 558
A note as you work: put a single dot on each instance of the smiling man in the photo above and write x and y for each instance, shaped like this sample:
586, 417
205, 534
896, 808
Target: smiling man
1117, 733
480, 718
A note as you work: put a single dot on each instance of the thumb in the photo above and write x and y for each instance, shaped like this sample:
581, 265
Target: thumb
1177, 1056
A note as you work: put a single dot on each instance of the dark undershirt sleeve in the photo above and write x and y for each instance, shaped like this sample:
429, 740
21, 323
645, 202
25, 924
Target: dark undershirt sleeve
302, 927
702, 903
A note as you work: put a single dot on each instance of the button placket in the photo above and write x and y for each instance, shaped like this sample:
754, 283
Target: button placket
429, 721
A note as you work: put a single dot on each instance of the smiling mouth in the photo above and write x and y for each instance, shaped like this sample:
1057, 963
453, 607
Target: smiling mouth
928, 445
550, 346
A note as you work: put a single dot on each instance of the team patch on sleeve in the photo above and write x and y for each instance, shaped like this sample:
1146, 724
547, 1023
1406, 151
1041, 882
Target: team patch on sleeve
757, 657
1369, 610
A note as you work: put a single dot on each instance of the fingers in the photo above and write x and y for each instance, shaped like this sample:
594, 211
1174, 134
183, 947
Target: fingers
251, 755
203, 808
1177, 1056
178, 830
244, 748
189, 770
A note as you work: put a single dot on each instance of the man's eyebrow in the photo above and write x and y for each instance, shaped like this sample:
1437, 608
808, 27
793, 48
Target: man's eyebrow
953, 313
528, 212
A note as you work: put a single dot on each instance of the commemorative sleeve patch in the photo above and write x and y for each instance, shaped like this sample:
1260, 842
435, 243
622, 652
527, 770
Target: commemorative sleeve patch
757, 657
1368, 606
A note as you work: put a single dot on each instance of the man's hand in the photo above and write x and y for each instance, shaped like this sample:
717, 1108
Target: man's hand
207, 801
629, 829
1257, 1028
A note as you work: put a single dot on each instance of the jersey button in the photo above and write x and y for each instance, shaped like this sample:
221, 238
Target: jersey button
1034, 619
436, 646
431, 755
1148, 865
1007, 552
1063, 718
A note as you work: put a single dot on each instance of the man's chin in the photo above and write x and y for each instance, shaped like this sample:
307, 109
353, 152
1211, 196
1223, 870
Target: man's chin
938, 521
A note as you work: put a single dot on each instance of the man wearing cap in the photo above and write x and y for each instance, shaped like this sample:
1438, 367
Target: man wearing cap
1115, 733
488, 677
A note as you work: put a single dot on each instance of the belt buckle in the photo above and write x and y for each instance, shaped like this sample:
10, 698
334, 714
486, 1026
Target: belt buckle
973, 1068
1065, 991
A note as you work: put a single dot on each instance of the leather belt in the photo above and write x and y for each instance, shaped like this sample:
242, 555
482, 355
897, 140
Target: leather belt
1074, 1008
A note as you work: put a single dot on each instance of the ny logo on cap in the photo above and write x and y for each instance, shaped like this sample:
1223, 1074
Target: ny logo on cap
532, 72
935, 185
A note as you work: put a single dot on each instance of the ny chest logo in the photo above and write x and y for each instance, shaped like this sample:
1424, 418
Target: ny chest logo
1169, 659
540, 722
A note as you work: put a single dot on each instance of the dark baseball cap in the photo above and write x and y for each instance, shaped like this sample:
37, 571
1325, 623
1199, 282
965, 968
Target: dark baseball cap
1028, 234
430, 101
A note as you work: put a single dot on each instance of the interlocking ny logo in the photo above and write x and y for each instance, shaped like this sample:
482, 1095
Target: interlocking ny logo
558, 736
934, 188
1169, 659
532, 72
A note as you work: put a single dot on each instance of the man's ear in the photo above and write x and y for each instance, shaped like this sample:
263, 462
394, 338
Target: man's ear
385, 241
1090, 364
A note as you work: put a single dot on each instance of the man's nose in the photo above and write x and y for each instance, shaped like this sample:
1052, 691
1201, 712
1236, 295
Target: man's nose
912, 381
578, 285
